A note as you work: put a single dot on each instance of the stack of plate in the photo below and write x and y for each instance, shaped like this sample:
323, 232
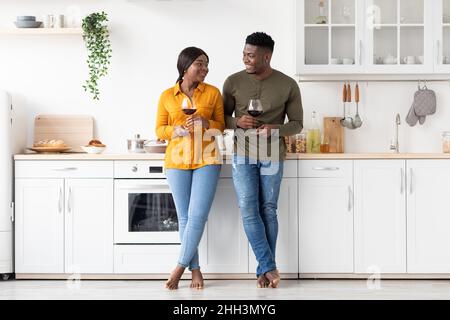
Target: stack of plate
27, 22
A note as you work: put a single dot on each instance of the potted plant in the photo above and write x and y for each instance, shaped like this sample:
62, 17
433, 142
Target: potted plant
96, 39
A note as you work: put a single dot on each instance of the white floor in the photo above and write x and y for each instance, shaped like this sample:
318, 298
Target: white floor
225, 290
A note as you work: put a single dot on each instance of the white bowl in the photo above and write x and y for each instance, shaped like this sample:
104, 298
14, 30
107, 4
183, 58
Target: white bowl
93, 149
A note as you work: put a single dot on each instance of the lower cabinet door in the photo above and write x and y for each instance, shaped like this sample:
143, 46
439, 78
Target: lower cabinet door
380, 216
325, 225
224, 245
39, 225
287, 241
428, 187
89, 226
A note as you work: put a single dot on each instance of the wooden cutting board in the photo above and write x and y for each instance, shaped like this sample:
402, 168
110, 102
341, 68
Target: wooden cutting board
75, 130
334, 132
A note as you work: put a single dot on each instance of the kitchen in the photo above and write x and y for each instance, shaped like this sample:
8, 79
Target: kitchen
44, 74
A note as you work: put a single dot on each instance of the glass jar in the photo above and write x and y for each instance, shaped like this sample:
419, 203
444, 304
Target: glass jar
446, 141
300, 142
290, 146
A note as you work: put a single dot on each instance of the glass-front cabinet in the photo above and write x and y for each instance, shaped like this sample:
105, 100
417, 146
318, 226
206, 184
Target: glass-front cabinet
398, 34
442, 36
373, 36
332, 36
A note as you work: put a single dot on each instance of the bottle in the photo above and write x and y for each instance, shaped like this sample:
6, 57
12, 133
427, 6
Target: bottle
313, 136
446, 142
324, 145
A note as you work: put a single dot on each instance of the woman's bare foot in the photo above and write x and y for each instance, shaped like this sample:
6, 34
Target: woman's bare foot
273, 277
175, 276
197, 279
262, 281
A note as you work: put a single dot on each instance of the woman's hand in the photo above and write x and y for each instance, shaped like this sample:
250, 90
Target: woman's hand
180, 131
194, 120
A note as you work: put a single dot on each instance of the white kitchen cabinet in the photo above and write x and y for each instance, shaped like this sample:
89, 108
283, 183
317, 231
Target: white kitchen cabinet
331, 43
89, 226
399, 36
379, 36
380, 216
441, 33
325, 216
64, 217
224, 245
287, 242
428, 218
39, 226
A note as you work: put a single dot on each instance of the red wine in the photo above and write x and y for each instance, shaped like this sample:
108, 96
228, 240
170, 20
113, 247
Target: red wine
254, 113
189, 111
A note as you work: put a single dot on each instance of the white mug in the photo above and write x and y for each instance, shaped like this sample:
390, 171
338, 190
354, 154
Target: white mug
48, 20
335, 61
59, 21
409, 60
347, 61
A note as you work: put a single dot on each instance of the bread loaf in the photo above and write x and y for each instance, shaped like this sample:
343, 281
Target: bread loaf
54, 143
95, 143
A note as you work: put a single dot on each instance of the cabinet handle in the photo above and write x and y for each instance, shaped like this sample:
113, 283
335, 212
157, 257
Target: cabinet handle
69, 200
438, 52
360, 52
402, 174
12, 212
60, 201
349, 198
410, 181
326, 168
66, 169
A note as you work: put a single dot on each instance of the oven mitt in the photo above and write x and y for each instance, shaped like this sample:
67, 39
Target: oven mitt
424, 102
411, 118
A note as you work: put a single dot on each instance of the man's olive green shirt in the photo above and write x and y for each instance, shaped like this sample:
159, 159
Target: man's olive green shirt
280, 97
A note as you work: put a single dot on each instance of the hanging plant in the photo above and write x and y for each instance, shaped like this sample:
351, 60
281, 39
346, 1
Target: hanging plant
96, 38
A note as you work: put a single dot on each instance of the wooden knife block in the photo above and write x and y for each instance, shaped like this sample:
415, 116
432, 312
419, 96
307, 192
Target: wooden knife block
334, 133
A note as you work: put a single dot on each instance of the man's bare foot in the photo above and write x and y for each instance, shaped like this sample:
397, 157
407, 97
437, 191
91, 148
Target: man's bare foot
172, 282
273, 277
197, 279
262, 281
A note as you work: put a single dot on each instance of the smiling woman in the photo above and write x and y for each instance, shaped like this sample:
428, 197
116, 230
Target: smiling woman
188, 114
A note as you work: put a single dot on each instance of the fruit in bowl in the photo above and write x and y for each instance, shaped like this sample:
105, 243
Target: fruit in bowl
94, 147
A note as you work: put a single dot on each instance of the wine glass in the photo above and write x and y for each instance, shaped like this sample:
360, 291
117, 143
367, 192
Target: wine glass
254, 107
188, 107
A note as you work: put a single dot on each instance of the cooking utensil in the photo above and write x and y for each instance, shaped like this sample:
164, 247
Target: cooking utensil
136, 145
347, 121
357, 122
155, 146
344, 100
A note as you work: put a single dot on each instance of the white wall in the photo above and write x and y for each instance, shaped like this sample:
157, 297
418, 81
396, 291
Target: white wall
45, 73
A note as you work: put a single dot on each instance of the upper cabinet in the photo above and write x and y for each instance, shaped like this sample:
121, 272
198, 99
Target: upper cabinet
442, 35
329, 36
373, 36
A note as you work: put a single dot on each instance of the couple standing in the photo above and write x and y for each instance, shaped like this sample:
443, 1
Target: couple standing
256, 175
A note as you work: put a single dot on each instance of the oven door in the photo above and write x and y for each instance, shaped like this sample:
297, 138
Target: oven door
144, 212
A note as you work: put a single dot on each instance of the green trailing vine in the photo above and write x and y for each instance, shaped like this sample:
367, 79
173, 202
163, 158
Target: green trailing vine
96, 38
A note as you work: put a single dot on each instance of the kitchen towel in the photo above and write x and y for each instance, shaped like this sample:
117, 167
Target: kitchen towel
424, 104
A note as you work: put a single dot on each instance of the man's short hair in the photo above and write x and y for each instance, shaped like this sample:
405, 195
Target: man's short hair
260, 39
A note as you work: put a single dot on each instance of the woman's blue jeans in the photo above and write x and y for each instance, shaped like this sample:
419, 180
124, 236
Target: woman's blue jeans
193, 193
257, 186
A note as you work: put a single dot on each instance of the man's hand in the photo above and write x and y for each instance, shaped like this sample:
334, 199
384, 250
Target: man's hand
266, 130
247, 122
194, 120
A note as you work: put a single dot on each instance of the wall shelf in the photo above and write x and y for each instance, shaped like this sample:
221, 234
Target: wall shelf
41, 31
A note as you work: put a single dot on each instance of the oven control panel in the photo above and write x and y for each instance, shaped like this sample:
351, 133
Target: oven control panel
147, 169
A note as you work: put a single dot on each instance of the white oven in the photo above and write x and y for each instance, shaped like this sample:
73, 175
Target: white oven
144, 210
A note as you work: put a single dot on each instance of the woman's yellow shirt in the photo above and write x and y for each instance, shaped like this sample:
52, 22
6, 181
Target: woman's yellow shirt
199, 148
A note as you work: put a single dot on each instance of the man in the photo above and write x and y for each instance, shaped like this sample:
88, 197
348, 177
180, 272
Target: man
256, 174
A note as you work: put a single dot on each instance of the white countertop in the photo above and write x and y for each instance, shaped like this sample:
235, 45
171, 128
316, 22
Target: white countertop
290, 156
